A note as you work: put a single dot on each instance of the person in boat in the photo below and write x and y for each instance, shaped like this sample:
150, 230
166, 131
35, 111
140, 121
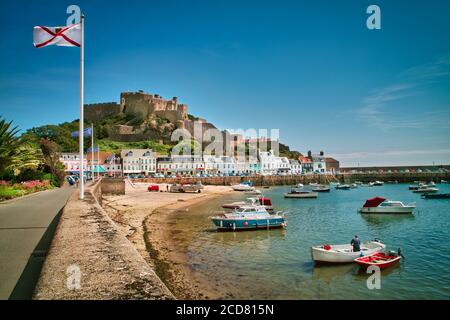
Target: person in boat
356, 243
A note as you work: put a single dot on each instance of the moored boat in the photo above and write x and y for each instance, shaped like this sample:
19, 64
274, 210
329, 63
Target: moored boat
248, 218
437, 196
343, 187
243, 186
381, 205
321, 188
255, 202
294, 193
377, 183
343, 253
426, 189
253, 191
380, 259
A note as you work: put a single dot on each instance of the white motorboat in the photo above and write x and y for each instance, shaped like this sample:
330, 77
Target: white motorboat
242, 187
253, 191
426, 189
343, 253
343, 187
377, 183
299, 185
300, 194
381, 205
255, 202
314, 184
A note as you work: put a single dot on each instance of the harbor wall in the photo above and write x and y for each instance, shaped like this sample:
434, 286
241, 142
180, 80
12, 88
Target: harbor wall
305, 179
90, 258
406, 177
256, 180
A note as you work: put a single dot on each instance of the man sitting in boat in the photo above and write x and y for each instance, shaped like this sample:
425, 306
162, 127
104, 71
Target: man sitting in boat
356, 243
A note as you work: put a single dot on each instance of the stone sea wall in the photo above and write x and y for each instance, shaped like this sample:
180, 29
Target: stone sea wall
90, 258
305, 179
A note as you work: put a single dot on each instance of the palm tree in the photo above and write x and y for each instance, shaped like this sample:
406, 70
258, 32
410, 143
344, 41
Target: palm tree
16, 153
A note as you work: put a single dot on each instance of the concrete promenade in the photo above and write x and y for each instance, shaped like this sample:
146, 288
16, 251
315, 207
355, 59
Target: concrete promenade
26, 230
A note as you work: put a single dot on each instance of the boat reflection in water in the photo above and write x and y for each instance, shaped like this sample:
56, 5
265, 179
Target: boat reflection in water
244, 237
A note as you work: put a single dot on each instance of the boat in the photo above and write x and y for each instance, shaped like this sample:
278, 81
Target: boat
381, 205
437, 196
265, 202
343, 253
253, 191
377, 183
358, 182
242, 187
248, 218
321, 188
299, 185
343, 187
426, 189
380, 259
353, 186
314, 184
300, 194
392, 182
445, 181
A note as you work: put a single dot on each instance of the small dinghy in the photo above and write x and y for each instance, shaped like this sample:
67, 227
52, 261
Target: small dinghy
343, 253
380, 259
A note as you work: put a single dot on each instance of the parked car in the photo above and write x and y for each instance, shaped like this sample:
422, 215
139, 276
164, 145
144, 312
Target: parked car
153, 188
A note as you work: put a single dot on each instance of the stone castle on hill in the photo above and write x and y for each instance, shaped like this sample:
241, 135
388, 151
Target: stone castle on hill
148, 109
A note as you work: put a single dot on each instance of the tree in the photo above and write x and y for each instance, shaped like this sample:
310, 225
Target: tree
16, 153
51, 152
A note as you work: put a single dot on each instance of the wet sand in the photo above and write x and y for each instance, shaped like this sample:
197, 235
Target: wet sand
146, 218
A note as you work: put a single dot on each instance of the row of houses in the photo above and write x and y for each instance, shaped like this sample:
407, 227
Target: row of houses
148, 162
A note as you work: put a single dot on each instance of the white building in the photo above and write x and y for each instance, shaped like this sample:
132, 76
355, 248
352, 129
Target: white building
318, 161
296, 167
224, 165
272, 164
138, 161
71, 162
181, 165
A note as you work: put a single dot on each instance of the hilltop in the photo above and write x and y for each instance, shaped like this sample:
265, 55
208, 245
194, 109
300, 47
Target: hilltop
140, 120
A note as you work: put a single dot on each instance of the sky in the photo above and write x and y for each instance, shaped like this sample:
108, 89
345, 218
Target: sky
311, 69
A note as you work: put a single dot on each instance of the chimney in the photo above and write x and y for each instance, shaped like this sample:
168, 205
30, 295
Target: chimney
309, 154
321, 153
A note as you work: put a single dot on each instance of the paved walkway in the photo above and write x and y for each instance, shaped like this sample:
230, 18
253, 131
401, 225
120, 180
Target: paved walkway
25, 233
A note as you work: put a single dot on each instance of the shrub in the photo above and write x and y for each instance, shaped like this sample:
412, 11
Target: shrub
9, 192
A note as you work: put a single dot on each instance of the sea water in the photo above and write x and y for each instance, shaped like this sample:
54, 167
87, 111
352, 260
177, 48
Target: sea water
276, 264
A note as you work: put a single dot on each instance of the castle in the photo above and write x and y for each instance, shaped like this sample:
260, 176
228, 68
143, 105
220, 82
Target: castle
145, 107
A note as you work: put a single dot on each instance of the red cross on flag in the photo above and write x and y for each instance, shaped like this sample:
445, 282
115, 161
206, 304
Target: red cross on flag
68, 36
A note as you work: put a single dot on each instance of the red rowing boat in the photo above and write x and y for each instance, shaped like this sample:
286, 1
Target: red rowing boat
379, 259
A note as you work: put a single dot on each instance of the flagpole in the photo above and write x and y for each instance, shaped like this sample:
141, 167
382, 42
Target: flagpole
81, 139
98, 161
92, 151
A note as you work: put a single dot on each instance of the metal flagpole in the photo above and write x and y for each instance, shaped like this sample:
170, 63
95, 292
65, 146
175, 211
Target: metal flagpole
81, 138
92, 152
98, 161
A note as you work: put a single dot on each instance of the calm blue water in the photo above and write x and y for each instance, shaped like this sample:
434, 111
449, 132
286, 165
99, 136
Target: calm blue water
276, 264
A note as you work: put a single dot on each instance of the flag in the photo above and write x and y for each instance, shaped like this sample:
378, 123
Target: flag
87, 133
68, 36
96, 149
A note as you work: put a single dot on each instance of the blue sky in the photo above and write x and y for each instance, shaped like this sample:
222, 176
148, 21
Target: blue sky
310, 68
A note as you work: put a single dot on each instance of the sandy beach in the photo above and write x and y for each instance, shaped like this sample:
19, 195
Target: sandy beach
146, 218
